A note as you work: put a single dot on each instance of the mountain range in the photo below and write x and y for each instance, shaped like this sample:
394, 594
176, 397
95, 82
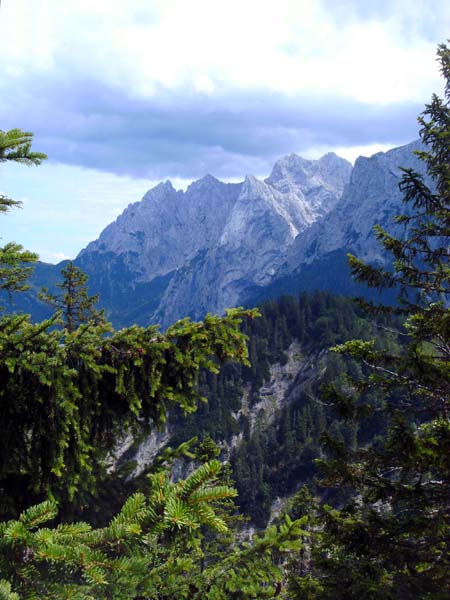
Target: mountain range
216, 245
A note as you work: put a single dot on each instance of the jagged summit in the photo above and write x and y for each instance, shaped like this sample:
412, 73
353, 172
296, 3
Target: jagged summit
160, 189
205, 182
253, 187
330, 156
197, 250
321, 181
371, 197
179, 253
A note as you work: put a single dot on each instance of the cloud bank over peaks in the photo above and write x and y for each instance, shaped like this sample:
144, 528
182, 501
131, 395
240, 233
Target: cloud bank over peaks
87, 123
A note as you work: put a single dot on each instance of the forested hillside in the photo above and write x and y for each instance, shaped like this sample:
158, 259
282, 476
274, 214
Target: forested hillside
271, 424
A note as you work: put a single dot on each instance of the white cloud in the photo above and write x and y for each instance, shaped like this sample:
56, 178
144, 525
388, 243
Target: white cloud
211, 45
55, 257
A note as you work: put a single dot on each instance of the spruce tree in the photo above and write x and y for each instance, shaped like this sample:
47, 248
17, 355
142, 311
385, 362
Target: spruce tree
66, 397
392, 538
150, 551
74, 302
15, 146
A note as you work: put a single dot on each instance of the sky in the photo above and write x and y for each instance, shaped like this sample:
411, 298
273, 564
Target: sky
122, 94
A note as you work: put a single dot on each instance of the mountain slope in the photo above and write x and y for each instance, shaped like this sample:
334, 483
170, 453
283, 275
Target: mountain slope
371, 197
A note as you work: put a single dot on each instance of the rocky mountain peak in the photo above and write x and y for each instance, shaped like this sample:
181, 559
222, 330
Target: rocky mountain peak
371, 197
318, 183
218, 245
196, 250
253, 188
159, 192
205, 183
290, 170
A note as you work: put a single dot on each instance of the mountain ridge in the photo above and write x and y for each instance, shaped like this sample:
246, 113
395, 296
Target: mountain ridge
217, 245
213, 240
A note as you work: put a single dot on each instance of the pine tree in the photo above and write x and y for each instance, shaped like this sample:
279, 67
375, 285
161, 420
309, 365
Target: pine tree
392, 539
151, 550
15, 145
66, 397
207, 449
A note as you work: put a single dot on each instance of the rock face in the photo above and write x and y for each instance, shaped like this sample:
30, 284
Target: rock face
186, 253
286, 383
316, 181
317, 259
167, 227
371, 197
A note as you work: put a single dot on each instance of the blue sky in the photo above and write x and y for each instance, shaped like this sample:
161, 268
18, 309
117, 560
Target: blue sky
124, 93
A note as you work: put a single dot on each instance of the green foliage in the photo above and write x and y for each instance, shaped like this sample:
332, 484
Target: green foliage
66, 397
272, 459
207, 450
15, 145
77, 561
13, 273
151, 549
